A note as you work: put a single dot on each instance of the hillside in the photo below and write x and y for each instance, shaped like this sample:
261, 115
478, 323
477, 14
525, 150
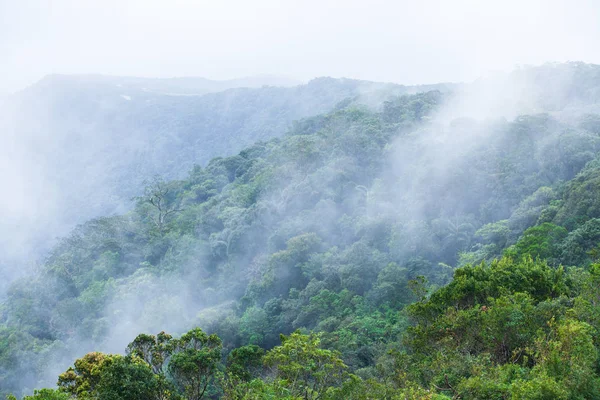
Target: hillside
433, 257
78, 147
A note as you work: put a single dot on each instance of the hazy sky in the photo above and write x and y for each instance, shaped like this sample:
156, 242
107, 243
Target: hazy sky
401, 41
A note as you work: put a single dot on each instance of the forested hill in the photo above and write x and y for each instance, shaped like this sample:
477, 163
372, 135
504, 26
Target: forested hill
431, 259
78, 147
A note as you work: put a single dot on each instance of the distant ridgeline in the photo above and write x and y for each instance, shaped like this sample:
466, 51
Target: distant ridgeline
82, 146
98, 137
369, 253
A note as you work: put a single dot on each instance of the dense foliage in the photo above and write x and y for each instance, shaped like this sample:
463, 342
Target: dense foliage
509, 329
95, 139
434, 260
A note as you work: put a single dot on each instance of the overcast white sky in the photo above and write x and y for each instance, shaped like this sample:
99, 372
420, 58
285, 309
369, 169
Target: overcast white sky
415, 41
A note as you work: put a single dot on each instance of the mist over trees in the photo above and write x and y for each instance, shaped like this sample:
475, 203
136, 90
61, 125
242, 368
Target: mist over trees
391, 245
81, 146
